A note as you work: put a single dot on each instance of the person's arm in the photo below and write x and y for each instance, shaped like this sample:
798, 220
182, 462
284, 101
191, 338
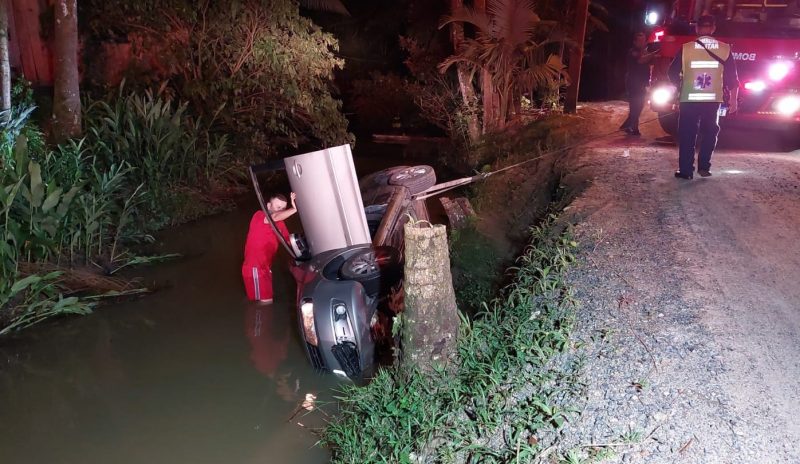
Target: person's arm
674, 71
646, 57
288, 212
730, 79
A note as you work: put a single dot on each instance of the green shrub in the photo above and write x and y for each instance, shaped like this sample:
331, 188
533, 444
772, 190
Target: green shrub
500, 393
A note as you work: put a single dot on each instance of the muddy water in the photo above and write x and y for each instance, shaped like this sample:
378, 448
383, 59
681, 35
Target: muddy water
193, 373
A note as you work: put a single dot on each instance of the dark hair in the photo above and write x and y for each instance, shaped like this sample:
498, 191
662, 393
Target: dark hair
706, 20
278, 196
638, 33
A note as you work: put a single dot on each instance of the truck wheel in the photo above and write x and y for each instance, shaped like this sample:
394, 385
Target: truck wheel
669, 122
376, 268
416, 178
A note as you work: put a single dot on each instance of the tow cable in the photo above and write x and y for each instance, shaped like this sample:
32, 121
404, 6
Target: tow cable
453, 184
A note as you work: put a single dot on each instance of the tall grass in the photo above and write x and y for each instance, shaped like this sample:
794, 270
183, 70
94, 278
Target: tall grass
498, 400
85, 202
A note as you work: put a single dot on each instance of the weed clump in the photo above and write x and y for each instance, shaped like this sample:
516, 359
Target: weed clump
497, 404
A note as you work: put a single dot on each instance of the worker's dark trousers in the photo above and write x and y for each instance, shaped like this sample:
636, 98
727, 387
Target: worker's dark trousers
636, 99
694, 116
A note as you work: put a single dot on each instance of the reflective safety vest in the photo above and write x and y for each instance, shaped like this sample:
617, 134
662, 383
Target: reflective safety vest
702, 73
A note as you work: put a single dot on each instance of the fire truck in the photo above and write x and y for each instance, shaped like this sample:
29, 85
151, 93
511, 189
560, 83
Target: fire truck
765, 40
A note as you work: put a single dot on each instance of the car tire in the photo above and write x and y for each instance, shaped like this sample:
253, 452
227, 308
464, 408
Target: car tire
416, 178
376, 268
669, 122
380, 178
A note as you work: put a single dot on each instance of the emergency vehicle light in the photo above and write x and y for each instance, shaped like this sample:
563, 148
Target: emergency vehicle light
658, 35
755, 86
777, 71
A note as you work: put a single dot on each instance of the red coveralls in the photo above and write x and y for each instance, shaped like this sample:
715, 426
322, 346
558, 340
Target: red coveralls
260, 248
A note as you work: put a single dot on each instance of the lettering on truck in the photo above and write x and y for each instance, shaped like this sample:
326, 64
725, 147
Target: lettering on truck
744, 56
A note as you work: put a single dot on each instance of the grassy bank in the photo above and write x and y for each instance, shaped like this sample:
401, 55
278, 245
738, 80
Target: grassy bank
73, 214
498, 404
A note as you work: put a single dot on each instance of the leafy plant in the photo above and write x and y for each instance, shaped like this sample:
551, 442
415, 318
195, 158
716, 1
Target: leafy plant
258, 69
513, 45
480, 412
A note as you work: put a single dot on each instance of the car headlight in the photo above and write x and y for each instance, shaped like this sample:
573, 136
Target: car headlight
788, 105
662, 96
309, 329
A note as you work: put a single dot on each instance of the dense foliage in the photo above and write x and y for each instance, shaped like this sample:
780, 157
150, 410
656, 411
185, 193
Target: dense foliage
71, 212
256, 68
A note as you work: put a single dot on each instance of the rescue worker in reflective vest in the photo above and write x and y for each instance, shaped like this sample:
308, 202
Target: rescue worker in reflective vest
703, 70
261, 246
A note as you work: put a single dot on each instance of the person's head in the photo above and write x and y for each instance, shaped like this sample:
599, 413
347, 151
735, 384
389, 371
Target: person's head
276, 203
706, 25
639, 40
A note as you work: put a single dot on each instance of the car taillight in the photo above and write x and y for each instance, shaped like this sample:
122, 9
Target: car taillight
309, 329
755, 86
778, 70
788, 105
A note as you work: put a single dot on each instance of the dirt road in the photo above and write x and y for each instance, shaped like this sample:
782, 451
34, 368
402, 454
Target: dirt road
691, 305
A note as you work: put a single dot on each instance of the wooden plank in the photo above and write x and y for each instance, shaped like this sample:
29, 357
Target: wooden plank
35, 57
405, 139
396, 207
458, 211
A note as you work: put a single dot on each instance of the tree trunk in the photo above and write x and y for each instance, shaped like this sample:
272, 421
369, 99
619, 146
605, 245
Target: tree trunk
430, 318
576, 57
464, 81
5, 66
491, 102
66, 85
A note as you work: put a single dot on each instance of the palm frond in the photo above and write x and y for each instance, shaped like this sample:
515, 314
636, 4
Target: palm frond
479, 19
513, 21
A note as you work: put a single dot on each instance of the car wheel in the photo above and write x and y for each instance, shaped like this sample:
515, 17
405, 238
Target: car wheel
380, 178
376, 268
416, 178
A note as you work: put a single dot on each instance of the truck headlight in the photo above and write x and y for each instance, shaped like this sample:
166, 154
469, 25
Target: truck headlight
662, 96
778, 70
652, 18
788, 105
309, 329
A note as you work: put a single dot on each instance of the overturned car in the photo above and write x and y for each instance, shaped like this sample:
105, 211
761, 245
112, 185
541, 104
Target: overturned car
348, 265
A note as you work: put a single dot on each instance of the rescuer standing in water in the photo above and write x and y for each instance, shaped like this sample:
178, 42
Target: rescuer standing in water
703, 70
261, 246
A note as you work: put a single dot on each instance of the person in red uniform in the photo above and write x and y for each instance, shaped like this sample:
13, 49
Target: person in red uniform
261, 246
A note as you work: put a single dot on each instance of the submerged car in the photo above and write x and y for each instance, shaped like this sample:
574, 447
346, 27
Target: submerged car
348, 265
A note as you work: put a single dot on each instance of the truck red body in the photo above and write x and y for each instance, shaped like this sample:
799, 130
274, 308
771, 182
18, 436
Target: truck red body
765, 39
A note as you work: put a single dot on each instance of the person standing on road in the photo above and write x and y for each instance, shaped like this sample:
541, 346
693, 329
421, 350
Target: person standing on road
702, 70
261, 246
637, 79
